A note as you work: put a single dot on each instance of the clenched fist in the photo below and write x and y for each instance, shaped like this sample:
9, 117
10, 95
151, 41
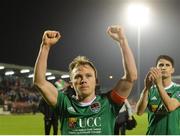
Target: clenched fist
50, 38
116, 32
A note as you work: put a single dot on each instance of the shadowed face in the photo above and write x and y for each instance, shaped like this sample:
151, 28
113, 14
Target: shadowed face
83, 80
166, 68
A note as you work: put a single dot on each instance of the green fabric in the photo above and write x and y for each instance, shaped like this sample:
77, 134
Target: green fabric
95, 119
162, 122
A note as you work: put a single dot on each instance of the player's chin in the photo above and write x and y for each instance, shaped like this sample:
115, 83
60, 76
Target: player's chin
85, 92
164, 76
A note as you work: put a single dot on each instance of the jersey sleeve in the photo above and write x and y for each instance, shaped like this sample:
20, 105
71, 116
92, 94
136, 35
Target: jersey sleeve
177, 95
60, 102
116, 98
115, 101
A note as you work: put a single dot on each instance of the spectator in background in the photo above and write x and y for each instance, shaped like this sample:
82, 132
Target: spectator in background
65, 87
50, 117
124, 120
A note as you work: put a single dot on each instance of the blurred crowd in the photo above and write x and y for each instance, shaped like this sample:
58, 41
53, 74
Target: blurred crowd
17, 95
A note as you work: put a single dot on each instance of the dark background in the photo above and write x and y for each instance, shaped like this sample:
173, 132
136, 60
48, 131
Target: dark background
83, 24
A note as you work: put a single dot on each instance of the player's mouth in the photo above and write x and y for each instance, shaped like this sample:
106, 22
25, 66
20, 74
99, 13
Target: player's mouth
84, 87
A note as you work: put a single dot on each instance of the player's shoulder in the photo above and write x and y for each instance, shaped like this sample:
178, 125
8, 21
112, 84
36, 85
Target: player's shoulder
177, 85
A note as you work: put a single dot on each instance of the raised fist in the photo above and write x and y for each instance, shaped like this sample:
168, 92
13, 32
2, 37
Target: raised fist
116, 32
50, 38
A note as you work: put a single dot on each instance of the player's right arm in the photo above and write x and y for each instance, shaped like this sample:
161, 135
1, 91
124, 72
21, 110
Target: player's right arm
48, 90
143, 100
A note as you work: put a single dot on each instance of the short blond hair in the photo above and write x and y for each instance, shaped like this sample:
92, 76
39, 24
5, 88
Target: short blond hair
81, 60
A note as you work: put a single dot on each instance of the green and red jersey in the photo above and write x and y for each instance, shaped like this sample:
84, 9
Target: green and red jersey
98, 118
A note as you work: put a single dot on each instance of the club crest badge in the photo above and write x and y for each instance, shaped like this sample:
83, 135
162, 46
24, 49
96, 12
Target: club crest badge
95, 107
154, 107
72, 122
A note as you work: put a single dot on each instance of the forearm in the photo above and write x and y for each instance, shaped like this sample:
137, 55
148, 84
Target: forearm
170, 103
41, 65
125, 84
46, 88
142, 102
129, 65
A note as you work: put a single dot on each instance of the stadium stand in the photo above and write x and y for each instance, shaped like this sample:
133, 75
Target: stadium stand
17, 94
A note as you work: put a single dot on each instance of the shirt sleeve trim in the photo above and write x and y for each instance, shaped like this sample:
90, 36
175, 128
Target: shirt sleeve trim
116, 97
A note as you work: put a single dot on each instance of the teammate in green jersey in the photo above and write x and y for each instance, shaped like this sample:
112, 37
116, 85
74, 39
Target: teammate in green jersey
85, 112
161, 96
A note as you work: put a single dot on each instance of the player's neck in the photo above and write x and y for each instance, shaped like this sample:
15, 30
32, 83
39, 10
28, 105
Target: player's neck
167, 81
87, 99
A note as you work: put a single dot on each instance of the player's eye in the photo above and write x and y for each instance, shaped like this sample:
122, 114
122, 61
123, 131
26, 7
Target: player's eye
161, 65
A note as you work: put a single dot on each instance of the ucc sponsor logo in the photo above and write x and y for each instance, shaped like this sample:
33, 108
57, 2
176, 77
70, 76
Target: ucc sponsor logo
84, 122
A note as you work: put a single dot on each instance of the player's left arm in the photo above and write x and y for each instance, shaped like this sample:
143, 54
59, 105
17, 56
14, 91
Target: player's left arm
170, 103
123, 88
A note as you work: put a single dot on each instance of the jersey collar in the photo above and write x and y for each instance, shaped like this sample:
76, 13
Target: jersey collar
172, 83
83, 104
